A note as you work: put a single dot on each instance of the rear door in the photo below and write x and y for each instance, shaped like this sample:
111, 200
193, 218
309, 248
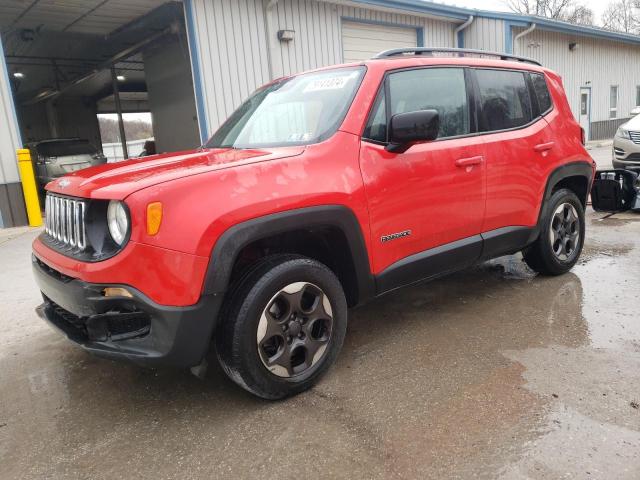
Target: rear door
517, 148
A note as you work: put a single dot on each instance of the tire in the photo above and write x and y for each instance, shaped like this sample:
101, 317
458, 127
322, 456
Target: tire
559, 245
282, 326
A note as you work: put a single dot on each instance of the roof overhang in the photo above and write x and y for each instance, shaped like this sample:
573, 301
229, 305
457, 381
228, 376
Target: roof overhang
460, 14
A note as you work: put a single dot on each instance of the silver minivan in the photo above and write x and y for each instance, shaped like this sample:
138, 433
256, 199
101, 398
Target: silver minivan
56, 157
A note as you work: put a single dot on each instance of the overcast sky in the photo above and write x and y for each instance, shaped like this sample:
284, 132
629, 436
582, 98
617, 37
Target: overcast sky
596, 5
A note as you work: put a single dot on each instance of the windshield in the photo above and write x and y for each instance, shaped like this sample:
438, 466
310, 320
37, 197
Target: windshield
299, 110
66, 148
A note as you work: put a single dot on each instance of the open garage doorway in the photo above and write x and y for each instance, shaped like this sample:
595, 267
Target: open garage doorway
71, 63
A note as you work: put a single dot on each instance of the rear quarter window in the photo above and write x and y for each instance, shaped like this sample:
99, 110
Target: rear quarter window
504, 99
541, 92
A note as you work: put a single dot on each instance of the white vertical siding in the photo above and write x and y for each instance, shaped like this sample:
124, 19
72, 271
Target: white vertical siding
234, 49
596, 63
231, 43
9, 137
318, 31
485, 34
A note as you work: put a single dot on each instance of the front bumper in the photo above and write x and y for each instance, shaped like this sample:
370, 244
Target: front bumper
135, 329
626, 154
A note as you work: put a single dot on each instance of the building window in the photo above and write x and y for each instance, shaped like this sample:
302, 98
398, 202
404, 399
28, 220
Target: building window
638, 96
613, 102
584, 100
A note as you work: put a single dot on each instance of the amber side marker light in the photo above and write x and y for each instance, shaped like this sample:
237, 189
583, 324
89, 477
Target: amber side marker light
116, 292
154, 218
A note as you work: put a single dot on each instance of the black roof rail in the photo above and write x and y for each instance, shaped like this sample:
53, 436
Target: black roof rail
461, 52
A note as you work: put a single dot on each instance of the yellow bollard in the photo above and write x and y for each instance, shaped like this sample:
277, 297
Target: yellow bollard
29, 187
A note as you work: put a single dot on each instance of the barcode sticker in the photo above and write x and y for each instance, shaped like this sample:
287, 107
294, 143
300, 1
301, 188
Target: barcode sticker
331, 83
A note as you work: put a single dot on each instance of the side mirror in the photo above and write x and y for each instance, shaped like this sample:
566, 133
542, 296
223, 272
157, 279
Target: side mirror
411, 127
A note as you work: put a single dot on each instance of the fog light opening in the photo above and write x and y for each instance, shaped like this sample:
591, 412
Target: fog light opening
117, 292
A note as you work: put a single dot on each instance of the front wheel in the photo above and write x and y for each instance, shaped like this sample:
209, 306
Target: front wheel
282, 326
559, 245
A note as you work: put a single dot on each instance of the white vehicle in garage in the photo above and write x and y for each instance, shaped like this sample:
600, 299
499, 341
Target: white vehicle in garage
626, 145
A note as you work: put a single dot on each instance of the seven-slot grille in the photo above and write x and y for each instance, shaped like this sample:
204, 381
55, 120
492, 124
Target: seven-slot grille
65, 221
635, 137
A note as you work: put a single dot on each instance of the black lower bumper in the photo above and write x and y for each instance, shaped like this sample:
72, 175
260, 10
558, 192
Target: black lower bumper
132, 328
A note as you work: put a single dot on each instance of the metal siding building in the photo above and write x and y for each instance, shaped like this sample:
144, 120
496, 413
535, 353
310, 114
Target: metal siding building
236, 54
234, 48
11, 211
322, 29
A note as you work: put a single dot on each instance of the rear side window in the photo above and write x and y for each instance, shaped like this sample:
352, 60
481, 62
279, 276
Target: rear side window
504, 99
542, 92
441, 89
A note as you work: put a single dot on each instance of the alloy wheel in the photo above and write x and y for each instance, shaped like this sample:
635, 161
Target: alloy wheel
294, 329
564, 233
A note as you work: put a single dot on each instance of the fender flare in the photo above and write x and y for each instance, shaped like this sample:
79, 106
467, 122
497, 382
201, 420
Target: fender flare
234, 239
582, 168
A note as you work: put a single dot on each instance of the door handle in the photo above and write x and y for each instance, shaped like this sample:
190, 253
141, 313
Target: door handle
469, 162
543, 147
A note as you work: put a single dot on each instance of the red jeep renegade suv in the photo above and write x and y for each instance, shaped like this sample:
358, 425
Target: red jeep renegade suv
321, 191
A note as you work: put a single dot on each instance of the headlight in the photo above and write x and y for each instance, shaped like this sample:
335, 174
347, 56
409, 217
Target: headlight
118, 221
623, 133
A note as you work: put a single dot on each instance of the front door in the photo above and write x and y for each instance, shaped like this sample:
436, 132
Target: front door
585, 111
433, 194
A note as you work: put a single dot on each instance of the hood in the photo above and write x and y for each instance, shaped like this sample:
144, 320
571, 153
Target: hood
633, 124
115, 181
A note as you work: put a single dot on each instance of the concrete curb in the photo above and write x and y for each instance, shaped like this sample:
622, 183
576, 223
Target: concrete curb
599, 144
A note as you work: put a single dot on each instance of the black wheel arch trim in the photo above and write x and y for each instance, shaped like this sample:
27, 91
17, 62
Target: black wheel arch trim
582, 168
234, 239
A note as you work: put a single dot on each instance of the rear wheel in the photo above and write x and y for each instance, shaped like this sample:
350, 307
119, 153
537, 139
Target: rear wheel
282, 326
559, 245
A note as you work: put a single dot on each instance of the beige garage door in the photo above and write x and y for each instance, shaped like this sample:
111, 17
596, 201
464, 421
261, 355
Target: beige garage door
361, 41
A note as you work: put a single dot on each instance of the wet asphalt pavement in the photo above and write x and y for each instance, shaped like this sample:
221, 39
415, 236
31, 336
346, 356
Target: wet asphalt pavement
489, 373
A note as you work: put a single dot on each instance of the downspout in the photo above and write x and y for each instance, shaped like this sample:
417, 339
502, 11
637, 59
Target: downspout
521, 35
269, 31
457, 34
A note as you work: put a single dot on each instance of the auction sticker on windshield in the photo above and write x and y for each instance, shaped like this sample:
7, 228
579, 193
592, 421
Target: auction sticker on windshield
330, 83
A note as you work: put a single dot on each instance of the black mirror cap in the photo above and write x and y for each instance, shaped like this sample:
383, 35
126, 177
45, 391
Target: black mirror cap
411, 127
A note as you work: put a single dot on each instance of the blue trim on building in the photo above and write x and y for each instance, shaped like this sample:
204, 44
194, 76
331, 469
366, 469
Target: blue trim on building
420, 7
508, 34
195, 68
460, 39
461, 13
419, 30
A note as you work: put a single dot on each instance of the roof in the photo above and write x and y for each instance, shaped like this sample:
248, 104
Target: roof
516, 20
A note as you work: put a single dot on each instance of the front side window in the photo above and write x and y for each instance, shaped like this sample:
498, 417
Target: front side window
300, 110
504, 99
613, 102
441, 89
542, 92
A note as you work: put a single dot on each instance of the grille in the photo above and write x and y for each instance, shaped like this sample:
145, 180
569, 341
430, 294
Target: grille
65, 221
635, 137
